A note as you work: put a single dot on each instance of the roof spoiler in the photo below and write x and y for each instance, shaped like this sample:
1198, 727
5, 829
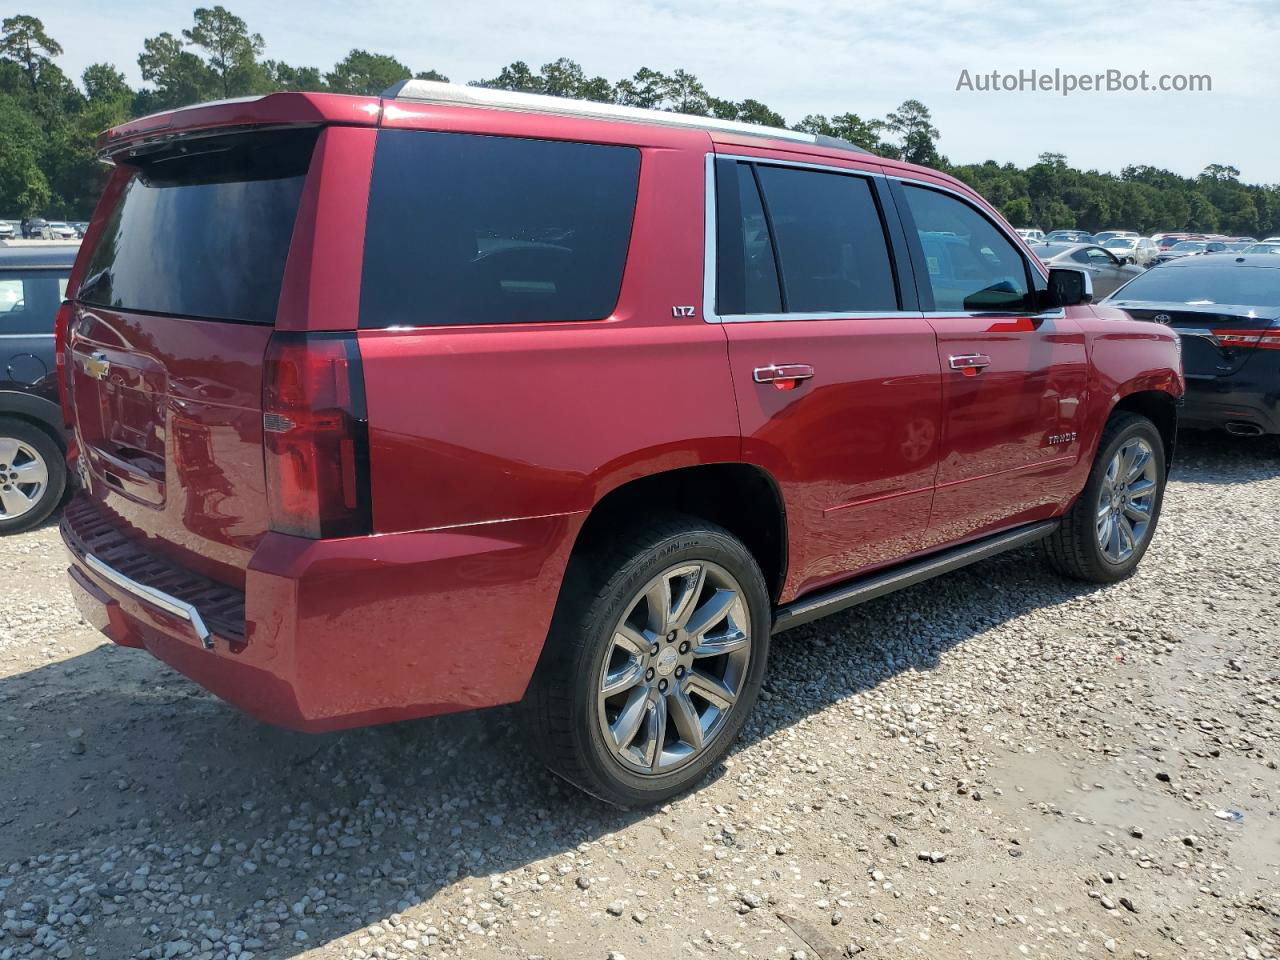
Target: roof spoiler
458, 95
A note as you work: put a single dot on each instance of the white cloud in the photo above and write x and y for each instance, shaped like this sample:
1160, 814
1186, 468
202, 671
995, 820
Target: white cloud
823, 56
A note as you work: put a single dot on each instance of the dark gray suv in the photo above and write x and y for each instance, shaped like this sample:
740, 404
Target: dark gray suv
33, 476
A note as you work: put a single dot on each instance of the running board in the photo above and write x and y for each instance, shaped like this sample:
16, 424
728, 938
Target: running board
846, 595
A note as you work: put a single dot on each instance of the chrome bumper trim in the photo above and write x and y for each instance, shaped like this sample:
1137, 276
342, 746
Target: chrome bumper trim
158, 598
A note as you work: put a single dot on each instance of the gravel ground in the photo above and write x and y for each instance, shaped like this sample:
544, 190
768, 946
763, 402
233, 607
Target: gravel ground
995, 764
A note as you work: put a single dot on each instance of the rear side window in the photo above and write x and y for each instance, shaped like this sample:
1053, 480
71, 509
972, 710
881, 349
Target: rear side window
29, 300
747, 273
791, 240
204, 233
830, 241
972, 266
467, 229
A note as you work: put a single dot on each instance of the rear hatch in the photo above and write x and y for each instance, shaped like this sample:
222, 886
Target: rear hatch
172, 318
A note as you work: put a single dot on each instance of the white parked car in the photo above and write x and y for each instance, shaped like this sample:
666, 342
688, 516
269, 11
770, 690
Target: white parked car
1031, 236
1142, 250
1104, 235
59, 230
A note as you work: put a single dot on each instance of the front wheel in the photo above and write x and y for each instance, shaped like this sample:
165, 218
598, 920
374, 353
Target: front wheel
655, 659
1104, 535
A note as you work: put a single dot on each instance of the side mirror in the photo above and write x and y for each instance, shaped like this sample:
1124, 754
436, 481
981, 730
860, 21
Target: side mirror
1069, 287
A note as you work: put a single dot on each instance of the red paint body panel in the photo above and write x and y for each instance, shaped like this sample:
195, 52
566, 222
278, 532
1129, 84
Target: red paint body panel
853, 450
998, 463
368, 629
470, 425
489, 445
328, 237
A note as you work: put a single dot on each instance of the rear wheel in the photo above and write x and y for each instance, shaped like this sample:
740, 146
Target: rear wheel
654, 661
1105, 534
33, 475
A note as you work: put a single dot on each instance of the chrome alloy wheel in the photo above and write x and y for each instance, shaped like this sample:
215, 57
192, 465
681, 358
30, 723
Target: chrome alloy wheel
24, 477
676, 665
1126, 500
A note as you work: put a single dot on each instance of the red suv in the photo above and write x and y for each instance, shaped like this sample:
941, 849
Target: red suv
389, 407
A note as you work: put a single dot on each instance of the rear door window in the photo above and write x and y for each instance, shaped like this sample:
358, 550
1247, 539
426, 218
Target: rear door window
204, 233
830, 241
468, 229
747, 272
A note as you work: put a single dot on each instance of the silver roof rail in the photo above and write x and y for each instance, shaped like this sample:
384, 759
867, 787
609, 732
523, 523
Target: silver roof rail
458, 95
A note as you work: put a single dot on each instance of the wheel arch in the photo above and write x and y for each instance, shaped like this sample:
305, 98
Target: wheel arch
36, 411
1160, 408
741, 497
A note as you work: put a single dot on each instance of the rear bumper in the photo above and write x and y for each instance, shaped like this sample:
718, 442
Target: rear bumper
1250, 396
343, 633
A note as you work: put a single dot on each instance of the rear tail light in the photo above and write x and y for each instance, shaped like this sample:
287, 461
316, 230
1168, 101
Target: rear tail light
61, 326
316, 435
1267, 338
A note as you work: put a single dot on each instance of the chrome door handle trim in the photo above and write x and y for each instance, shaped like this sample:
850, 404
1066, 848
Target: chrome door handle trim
970, 361
782, 371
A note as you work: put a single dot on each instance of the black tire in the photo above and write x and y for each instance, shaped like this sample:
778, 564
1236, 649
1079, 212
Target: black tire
1073, 550
55, 463
600, 586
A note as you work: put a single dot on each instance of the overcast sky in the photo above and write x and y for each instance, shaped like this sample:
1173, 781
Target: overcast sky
821, 56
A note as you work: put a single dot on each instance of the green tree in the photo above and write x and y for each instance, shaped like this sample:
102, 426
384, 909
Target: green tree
281, 76
366, 73
231, 50
24, 189
179, 76
515, 76
645, 89
753, 111
846, 126
24, 41
913, 123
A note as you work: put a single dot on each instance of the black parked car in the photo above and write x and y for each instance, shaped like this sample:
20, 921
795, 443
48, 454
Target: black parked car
1227, 309
32, 463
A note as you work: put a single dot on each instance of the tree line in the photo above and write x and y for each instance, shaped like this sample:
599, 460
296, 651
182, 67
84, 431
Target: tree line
48, 124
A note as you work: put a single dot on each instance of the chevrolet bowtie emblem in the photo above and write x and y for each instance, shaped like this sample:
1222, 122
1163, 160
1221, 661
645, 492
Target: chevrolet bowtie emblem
97, 366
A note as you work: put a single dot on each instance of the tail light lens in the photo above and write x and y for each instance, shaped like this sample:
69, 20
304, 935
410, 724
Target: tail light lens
1267, 338
316, 435
61, 327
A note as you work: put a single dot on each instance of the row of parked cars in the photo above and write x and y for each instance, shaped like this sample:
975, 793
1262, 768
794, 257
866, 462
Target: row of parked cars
613, 446
37, 228
1113, 257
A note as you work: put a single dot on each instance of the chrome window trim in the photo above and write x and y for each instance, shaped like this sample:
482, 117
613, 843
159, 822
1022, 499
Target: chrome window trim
802, 164
709, 314
851, 315
1057, 313
166, 602
26, 336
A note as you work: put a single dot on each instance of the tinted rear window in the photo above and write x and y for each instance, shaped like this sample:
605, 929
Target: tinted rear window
1230, 283
29, 299
205, 233
467, 229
